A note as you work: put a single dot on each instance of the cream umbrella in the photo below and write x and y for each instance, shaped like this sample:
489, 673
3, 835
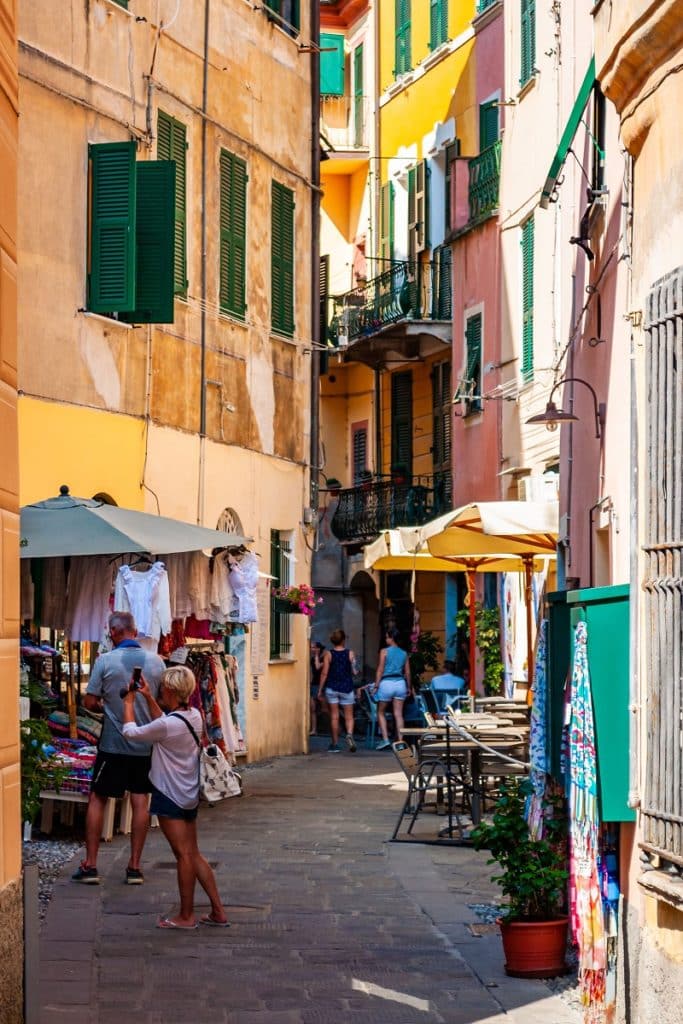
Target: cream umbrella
491, 530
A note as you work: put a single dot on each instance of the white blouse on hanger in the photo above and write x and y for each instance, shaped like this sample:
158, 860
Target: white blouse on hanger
146, 596
244, 580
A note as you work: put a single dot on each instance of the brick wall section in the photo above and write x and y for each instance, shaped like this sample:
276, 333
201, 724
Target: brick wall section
11, 945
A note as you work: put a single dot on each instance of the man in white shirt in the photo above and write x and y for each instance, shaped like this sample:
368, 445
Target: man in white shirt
122, 765
447, 686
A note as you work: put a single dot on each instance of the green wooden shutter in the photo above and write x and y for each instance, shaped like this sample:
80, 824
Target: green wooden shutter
438, 23
528, 300
282, 259
111, 262
417, 209
528, 40
488, 124
359, 453
233, 233
402, 421
331, 64
441, 410
358, 97
402, 44
155, 243
386, 221
473, 371
172, 145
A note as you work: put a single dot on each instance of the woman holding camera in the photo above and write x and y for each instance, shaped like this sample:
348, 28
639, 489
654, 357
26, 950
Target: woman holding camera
174, 776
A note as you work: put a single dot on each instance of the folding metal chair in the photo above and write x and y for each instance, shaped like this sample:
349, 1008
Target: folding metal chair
426, 776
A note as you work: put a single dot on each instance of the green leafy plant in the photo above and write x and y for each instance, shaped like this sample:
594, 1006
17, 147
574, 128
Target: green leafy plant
424, 656
487, 622
40, 769
533, 871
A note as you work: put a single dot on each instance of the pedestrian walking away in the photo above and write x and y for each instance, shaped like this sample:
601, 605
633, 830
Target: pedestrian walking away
336, 682
317, 652
175, 788
122, 764
393, 685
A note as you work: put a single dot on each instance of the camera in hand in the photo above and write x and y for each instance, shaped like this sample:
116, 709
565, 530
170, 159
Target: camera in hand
135, 683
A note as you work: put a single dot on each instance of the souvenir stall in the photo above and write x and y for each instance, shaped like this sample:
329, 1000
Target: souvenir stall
187, 604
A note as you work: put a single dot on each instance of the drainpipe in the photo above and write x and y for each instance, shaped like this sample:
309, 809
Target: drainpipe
315, 253
202, 329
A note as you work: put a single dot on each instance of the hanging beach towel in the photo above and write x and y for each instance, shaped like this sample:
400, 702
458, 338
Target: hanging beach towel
588, 927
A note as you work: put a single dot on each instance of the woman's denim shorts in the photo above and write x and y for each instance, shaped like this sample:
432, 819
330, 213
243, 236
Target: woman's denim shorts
394, 688
164, 807
335, 697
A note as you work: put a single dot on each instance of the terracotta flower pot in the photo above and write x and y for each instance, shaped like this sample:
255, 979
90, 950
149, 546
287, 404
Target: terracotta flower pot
535, 949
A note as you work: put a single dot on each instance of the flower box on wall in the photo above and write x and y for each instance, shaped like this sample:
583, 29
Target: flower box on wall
280, 604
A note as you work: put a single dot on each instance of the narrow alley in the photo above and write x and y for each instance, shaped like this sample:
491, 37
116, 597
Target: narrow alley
330, 922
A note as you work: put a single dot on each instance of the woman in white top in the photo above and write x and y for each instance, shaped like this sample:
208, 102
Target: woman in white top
174, 776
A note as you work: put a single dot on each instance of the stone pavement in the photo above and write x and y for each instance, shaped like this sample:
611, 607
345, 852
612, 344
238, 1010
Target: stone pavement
330, 922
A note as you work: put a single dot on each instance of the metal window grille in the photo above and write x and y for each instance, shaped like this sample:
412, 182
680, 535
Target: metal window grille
662, 807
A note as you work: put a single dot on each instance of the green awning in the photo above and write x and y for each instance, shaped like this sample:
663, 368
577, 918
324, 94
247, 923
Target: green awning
568, 133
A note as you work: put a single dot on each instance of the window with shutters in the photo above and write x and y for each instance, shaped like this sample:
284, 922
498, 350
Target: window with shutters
452, 152
285, 13
331, 64
358, 97
172, 145
131, 235
442, 412
386, 223
233, 233
280, 621
282, 259
473, 374
402, 59
417, 209
598, 140
488, 124
438, 23
527, 259
527, 65
402, 422
359, 451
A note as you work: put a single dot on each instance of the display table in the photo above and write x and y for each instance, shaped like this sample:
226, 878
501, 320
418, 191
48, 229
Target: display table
50, 797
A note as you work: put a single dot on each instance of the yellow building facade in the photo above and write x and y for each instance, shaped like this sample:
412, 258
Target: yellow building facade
199, 410
11, 909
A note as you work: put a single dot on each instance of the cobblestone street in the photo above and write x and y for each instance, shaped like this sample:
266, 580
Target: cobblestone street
329, 921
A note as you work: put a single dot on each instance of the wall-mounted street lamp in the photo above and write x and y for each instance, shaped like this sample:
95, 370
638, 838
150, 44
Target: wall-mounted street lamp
552, 415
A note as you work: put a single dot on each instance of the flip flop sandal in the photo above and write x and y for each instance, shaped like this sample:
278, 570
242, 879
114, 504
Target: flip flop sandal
210, 923
166, 923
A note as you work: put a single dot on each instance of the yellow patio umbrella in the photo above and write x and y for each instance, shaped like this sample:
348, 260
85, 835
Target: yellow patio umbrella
483, 531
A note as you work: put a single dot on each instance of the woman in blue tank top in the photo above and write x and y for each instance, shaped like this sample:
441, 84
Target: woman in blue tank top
336, 680
392, 685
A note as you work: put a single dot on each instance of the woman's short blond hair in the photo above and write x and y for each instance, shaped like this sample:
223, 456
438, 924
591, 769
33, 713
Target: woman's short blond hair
179, 680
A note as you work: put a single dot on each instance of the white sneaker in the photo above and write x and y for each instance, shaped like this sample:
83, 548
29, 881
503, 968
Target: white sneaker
384, 745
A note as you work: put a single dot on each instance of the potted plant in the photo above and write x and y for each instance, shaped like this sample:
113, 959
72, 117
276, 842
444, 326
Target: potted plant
299, 599
333, 486
533, 877
399, 474
365, 477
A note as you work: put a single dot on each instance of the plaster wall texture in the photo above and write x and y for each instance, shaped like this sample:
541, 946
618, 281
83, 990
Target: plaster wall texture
11, 902
117, 409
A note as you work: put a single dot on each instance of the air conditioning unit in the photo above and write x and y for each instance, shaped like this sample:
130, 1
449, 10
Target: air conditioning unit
551, 486
537, 487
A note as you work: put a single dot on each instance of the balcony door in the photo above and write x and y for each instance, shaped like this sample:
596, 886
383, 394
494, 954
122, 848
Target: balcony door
402, 422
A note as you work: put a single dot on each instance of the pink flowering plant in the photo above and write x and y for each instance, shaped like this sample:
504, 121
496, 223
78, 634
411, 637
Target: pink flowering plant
302, 595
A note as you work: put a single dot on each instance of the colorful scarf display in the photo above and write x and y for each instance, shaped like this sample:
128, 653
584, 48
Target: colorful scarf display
586, 912
535, 805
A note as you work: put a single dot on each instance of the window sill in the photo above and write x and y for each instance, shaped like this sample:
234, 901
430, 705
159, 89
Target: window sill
528, 85
233, 318
282, 661
123, 10
487, 16
663, 887
289, 339
109, 320
436, 56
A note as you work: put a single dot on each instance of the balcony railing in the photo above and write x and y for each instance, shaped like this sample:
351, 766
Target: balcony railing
484, 175
407, 291
344, 121
364, 511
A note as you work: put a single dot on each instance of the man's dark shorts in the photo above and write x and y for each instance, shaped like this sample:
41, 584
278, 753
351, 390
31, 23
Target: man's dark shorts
116, 774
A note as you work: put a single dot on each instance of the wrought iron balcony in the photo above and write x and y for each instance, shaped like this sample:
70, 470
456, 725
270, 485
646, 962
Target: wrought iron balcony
344, 123
363, 512
484, 181
408, 294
